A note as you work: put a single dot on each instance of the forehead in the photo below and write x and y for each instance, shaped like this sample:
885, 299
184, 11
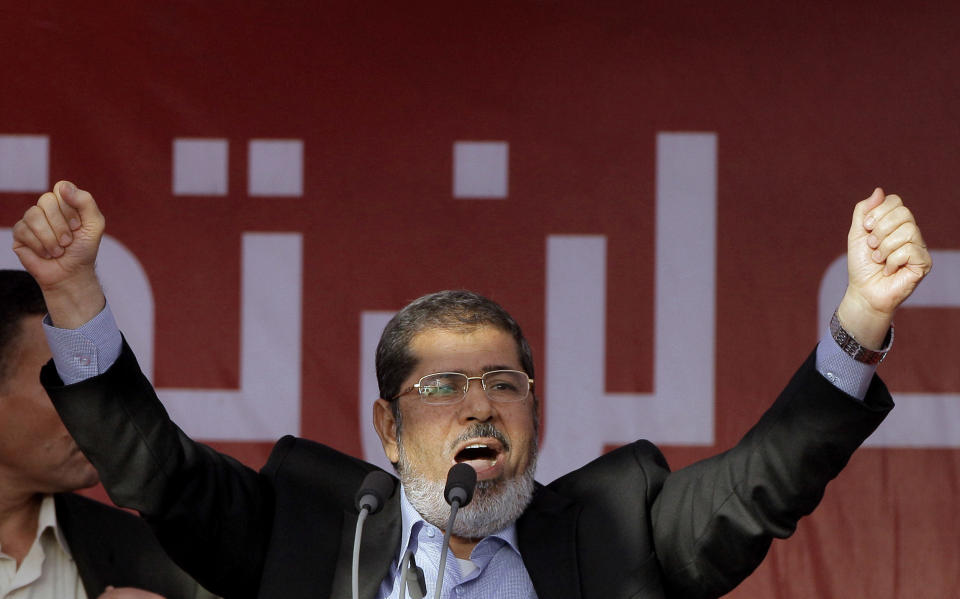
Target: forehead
470, 350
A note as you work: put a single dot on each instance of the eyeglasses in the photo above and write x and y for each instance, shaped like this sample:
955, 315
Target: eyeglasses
503, 386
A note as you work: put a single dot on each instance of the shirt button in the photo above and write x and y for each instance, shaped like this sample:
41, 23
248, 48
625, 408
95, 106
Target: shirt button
431, 533
831, 377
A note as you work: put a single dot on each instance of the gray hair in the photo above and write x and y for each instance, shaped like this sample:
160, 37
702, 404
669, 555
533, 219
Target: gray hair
456, 309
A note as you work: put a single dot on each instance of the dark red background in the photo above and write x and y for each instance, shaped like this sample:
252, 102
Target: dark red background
813, 104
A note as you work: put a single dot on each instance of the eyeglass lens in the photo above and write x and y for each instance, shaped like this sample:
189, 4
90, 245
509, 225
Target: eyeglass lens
500, 385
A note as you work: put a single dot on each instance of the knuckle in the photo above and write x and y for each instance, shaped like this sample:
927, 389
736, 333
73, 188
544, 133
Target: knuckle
47, 200
32, 214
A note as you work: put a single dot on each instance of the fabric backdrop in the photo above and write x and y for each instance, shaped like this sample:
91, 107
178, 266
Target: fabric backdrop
658, 191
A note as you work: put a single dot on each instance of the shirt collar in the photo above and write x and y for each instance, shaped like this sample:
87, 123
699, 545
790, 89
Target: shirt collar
411, 522
48, 519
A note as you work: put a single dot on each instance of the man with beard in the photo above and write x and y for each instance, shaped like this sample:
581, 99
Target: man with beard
456, 380
457, 370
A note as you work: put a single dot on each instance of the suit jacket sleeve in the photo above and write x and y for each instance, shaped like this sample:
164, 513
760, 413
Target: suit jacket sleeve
211, 513
713, 521
625, 526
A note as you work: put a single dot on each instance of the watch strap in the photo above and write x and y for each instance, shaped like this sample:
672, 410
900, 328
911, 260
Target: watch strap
852, 347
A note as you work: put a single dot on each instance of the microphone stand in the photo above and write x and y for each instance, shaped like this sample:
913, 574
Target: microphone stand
461, 482
454, 506
370, 499
356, 551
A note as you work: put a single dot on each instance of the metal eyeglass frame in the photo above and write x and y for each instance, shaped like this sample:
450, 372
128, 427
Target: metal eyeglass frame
466, 387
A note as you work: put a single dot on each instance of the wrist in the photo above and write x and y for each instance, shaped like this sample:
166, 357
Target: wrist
866, 324
74, 302
850, 346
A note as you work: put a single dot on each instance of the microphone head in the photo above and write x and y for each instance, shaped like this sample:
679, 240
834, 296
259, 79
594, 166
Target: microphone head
373, 493
461, 481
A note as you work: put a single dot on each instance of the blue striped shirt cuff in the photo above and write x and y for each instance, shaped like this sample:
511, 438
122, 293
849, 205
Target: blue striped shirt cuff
88, 351
846, 374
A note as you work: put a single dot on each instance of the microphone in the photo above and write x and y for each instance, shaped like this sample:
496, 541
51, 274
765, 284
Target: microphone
374, 490
370, 499
461, 481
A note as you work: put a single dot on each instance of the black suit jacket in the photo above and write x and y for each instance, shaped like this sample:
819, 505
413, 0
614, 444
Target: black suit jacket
621, 526
113, 547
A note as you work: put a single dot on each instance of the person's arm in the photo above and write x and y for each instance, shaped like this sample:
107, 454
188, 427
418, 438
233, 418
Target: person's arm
886, 259
211, 513
57, 241
715, 520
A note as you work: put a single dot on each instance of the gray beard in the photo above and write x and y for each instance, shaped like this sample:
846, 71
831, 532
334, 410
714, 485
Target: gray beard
496, 504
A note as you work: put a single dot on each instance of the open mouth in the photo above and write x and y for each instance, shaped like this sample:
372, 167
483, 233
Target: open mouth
481, 455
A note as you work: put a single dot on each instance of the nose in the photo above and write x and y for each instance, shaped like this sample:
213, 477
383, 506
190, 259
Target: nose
476, 406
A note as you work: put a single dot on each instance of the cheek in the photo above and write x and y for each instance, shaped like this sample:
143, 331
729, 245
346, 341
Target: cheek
50, 435
522, 429
521, 420
425, 440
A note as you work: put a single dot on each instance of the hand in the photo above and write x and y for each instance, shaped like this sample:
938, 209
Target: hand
886, 260
57, 242
128, 593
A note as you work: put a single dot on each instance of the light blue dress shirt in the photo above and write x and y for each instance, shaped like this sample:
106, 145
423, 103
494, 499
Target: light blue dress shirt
496, 570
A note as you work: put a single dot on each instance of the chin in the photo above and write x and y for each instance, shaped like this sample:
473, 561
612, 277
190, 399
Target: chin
84, 478
497, 502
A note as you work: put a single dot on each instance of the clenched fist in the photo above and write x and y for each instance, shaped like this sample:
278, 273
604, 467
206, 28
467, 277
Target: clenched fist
886, 260
57, 242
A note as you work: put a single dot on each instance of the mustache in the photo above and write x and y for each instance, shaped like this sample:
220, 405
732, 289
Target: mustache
481, 429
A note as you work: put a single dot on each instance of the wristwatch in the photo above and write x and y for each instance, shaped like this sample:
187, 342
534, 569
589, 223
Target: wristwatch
852, 347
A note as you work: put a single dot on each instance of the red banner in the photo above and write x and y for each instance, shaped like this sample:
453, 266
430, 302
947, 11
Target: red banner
277, 177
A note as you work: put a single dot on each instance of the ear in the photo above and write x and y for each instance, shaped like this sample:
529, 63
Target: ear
386, 426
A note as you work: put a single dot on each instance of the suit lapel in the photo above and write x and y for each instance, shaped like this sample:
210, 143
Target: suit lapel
547, 535
378, 548
80, 527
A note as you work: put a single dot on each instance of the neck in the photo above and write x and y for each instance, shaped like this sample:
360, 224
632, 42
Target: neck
461, 547
19, 517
